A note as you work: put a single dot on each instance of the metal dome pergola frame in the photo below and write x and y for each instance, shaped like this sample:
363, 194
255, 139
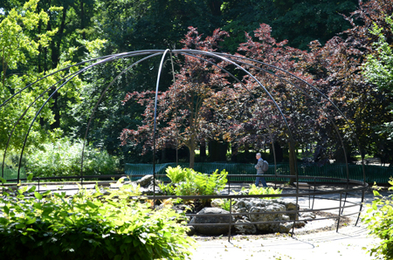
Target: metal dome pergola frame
238, 62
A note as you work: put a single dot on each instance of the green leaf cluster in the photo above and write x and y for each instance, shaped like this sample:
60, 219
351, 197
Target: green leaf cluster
17, 45
96, 224
379, 220
186, 181
379, 66
224, 203
254, 190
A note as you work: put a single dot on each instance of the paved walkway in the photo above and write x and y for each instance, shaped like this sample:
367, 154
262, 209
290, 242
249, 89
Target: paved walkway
350, 242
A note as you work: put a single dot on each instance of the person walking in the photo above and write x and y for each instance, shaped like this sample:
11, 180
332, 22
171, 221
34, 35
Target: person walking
259, 167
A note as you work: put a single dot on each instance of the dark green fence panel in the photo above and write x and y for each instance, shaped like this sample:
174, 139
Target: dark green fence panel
378, 174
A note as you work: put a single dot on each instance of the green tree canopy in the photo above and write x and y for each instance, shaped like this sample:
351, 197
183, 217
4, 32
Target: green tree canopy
378, 69
17, 46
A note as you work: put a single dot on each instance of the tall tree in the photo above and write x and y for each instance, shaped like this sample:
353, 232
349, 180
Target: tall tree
275, 109
26, 47
378, 70
135, 25
17, 47
337, 67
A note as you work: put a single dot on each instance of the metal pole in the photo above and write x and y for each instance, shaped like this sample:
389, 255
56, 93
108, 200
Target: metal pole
339, 213
230, 220
155, 125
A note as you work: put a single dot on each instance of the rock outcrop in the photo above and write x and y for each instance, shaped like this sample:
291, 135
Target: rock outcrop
209, 215
253, 215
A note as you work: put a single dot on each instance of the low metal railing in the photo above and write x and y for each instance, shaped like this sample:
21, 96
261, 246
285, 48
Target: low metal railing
315, 190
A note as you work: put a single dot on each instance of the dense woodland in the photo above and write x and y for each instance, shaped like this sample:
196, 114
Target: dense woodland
342, 48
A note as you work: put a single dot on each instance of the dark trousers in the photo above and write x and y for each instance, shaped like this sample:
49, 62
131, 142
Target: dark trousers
260, 179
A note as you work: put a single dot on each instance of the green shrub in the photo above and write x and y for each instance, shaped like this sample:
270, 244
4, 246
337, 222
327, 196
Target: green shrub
63, 158
178, 174
254, 190
189, 182
379, 220
90, 225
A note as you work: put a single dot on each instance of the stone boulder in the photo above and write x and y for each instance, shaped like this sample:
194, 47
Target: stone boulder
269, 211
145, 181
146, 184
244, 226
211, 217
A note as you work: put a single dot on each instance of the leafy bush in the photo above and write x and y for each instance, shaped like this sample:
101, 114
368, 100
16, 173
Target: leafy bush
63, 158
254, 190
90, 225
189, 182
178, 174
379, 218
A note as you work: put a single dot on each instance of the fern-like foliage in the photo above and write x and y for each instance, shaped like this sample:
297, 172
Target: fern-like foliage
186, 181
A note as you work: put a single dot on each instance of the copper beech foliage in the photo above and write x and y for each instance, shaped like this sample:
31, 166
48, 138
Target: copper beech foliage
185, 108
308, 102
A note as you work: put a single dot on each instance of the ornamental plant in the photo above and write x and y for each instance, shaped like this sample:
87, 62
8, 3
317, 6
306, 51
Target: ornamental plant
254, 190
186, 181
91, 224
379, 220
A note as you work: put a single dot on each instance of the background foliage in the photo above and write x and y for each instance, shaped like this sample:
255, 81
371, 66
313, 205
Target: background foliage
63, 158
324, 43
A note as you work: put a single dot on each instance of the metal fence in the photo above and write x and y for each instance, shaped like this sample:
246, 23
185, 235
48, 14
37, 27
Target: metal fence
338, 193
378, 174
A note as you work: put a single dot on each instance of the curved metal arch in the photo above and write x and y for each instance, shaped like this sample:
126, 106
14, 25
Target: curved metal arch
18, 121
223, 57
291, 140
253, 97
311, 98
102, 60
39, 111
51, 74
319, 92
73, 75
302, 90
155, 117
103, 94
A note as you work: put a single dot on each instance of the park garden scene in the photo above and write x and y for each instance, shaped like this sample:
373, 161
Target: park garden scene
130, 128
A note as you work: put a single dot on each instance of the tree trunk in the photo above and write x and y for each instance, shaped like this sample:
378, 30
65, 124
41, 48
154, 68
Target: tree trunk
292, 161
55, 57
202, 151
279, 152
192, 156
217, 151
234, 149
